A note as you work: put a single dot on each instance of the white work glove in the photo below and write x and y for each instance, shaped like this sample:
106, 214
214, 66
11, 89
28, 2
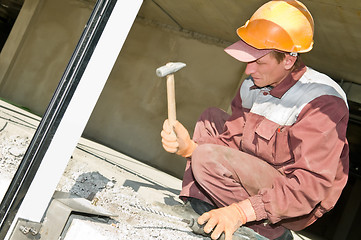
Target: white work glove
227, 219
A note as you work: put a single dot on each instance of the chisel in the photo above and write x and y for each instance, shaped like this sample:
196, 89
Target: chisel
242, 233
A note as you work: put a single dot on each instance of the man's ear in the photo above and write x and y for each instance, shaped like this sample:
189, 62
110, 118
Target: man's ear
289, 61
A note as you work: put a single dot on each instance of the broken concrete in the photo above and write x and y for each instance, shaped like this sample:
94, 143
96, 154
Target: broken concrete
104, 177
107, 179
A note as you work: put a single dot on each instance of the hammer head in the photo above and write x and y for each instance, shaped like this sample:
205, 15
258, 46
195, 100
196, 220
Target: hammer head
169, 68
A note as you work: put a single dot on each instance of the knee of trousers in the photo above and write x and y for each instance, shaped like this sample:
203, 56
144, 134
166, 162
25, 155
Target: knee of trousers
202, 159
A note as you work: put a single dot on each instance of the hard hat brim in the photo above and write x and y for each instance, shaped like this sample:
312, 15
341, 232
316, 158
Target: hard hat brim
245, 53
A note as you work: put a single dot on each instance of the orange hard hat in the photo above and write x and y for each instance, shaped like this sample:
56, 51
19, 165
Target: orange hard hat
282, 25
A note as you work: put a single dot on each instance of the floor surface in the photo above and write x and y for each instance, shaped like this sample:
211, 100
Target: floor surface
139, 196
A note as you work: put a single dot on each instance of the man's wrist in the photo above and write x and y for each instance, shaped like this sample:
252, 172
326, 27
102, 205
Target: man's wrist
248, 210
189, 150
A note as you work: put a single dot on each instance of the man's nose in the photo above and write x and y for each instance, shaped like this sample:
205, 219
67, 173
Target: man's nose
250, 68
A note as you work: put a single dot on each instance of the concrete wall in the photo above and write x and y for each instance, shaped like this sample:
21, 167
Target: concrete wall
132, 107
38, 50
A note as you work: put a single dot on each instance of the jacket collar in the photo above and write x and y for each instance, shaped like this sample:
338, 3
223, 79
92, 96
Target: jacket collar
287, 83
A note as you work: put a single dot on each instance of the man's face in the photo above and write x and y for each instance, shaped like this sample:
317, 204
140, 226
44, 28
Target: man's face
266, 71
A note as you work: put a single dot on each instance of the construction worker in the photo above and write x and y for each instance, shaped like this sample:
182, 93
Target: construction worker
280, 160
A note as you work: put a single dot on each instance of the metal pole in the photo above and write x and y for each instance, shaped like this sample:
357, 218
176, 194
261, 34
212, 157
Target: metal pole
68, 112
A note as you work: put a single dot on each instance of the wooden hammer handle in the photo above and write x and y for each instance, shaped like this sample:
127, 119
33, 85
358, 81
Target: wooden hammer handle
172, 118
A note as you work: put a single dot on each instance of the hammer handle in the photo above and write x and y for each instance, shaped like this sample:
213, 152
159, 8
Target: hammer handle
171, 100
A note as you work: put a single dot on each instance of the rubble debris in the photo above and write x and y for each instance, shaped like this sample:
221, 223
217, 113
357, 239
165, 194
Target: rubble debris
98, 181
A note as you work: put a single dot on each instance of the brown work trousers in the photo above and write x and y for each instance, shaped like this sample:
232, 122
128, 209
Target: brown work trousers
221, 175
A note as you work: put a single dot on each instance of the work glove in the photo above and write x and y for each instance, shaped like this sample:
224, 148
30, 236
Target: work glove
227, 219
177, 140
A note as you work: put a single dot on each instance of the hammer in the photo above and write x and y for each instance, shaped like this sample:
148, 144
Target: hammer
168, 70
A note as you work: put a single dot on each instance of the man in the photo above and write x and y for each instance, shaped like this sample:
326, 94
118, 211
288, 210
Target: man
280, 161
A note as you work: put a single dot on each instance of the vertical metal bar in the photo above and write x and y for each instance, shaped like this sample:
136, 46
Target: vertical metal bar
68, 112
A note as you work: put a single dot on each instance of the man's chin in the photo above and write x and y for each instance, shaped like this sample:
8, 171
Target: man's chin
257, 84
